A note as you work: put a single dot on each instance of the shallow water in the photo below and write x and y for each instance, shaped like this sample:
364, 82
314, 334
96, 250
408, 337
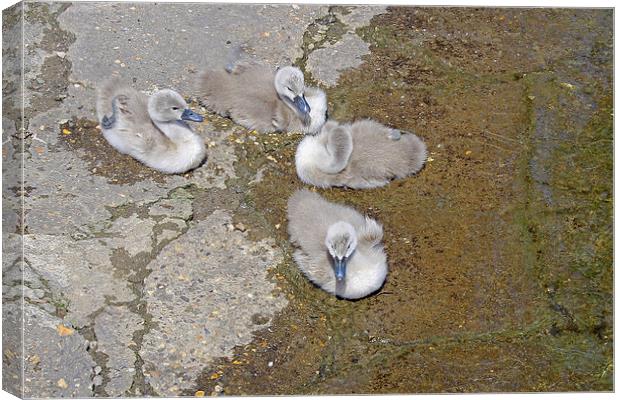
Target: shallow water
499, 250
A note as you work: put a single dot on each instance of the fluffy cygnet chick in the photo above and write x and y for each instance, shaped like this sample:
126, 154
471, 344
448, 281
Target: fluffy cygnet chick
338, 248
257, 97
150, 129
360, 155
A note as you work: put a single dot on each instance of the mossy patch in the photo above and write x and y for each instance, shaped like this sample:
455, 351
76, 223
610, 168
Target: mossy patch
477, 297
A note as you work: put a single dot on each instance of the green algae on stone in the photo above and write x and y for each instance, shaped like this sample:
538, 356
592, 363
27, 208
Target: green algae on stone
476, 299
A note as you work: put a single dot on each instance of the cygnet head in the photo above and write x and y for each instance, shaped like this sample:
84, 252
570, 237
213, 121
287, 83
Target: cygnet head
290, 86
341, 241
167, 105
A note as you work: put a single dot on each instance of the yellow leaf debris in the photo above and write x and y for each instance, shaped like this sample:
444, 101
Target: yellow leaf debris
66, 131
64, 331
200, 393
62, 383
567, 85
468, 152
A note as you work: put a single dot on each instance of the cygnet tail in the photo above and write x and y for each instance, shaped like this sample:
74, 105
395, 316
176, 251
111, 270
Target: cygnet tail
416, 152
108, 122
234, 57
106, 96
372, 232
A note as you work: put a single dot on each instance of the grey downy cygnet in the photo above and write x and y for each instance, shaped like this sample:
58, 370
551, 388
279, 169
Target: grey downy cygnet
150, 129
339, 249
360, 155
259, 98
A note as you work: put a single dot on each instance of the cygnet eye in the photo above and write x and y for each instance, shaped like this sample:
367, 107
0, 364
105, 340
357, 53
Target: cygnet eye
175, 108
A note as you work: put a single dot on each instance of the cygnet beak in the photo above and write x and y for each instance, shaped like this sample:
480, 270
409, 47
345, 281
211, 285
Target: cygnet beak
189, 115
341, 268
302, 106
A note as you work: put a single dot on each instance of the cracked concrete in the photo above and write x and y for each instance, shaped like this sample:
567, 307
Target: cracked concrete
148, 294
44, 375
203, 292
333, 51
114, 328
345, 54
90, 280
